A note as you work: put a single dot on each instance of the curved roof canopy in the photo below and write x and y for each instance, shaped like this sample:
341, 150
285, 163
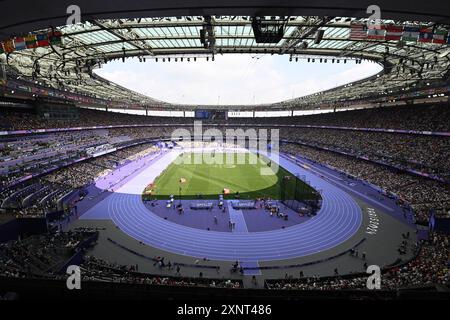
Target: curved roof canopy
90, 44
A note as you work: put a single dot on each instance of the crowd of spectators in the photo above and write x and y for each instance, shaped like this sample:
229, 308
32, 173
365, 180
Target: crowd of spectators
429, 268
428, 154
417, 153
40, 255
422, 194
422, 153
41, 195
44, 256
408, 117
14, 120
97, 269
22, 156
25, 155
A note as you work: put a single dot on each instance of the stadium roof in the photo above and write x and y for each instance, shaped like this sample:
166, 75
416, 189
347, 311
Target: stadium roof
26, 15
86, 46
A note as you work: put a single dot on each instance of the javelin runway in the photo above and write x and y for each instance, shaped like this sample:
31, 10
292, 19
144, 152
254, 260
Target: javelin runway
338, 219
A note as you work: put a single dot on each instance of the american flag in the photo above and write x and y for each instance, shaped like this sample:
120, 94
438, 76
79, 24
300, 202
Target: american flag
358, 31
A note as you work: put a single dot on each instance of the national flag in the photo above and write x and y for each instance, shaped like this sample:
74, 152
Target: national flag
358, 31
31, 41
8, 45
377, 34
182, 180
410, 34
42, 40
426, 35
19, 43
439, 36
393, 32
55, 37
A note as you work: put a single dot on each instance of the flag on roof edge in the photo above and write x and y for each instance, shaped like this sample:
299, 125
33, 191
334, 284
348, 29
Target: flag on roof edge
31, 41
19, 43
393, 32
8, 46
42, 40
439, 36
377, 34
410, 33
425, 35
358, 31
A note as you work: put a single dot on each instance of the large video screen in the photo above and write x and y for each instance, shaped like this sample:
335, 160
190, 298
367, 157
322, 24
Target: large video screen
210, 114
202, 114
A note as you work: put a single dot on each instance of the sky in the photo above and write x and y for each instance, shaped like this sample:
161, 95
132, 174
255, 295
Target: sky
233, 78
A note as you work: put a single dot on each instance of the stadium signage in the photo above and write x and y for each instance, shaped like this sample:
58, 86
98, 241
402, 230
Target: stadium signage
374, 222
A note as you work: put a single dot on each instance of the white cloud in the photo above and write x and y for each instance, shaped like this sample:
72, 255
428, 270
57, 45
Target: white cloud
236, 79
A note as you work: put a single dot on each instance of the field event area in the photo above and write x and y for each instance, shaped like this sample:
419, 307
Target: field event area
234, 175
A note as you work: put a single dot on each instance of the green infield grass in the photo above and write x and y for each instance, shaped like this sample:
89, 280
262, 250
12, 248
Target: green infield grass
210, 180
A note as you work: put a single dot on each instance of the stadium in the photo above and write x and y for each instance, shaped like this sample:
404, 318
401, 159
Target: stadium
109, 192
